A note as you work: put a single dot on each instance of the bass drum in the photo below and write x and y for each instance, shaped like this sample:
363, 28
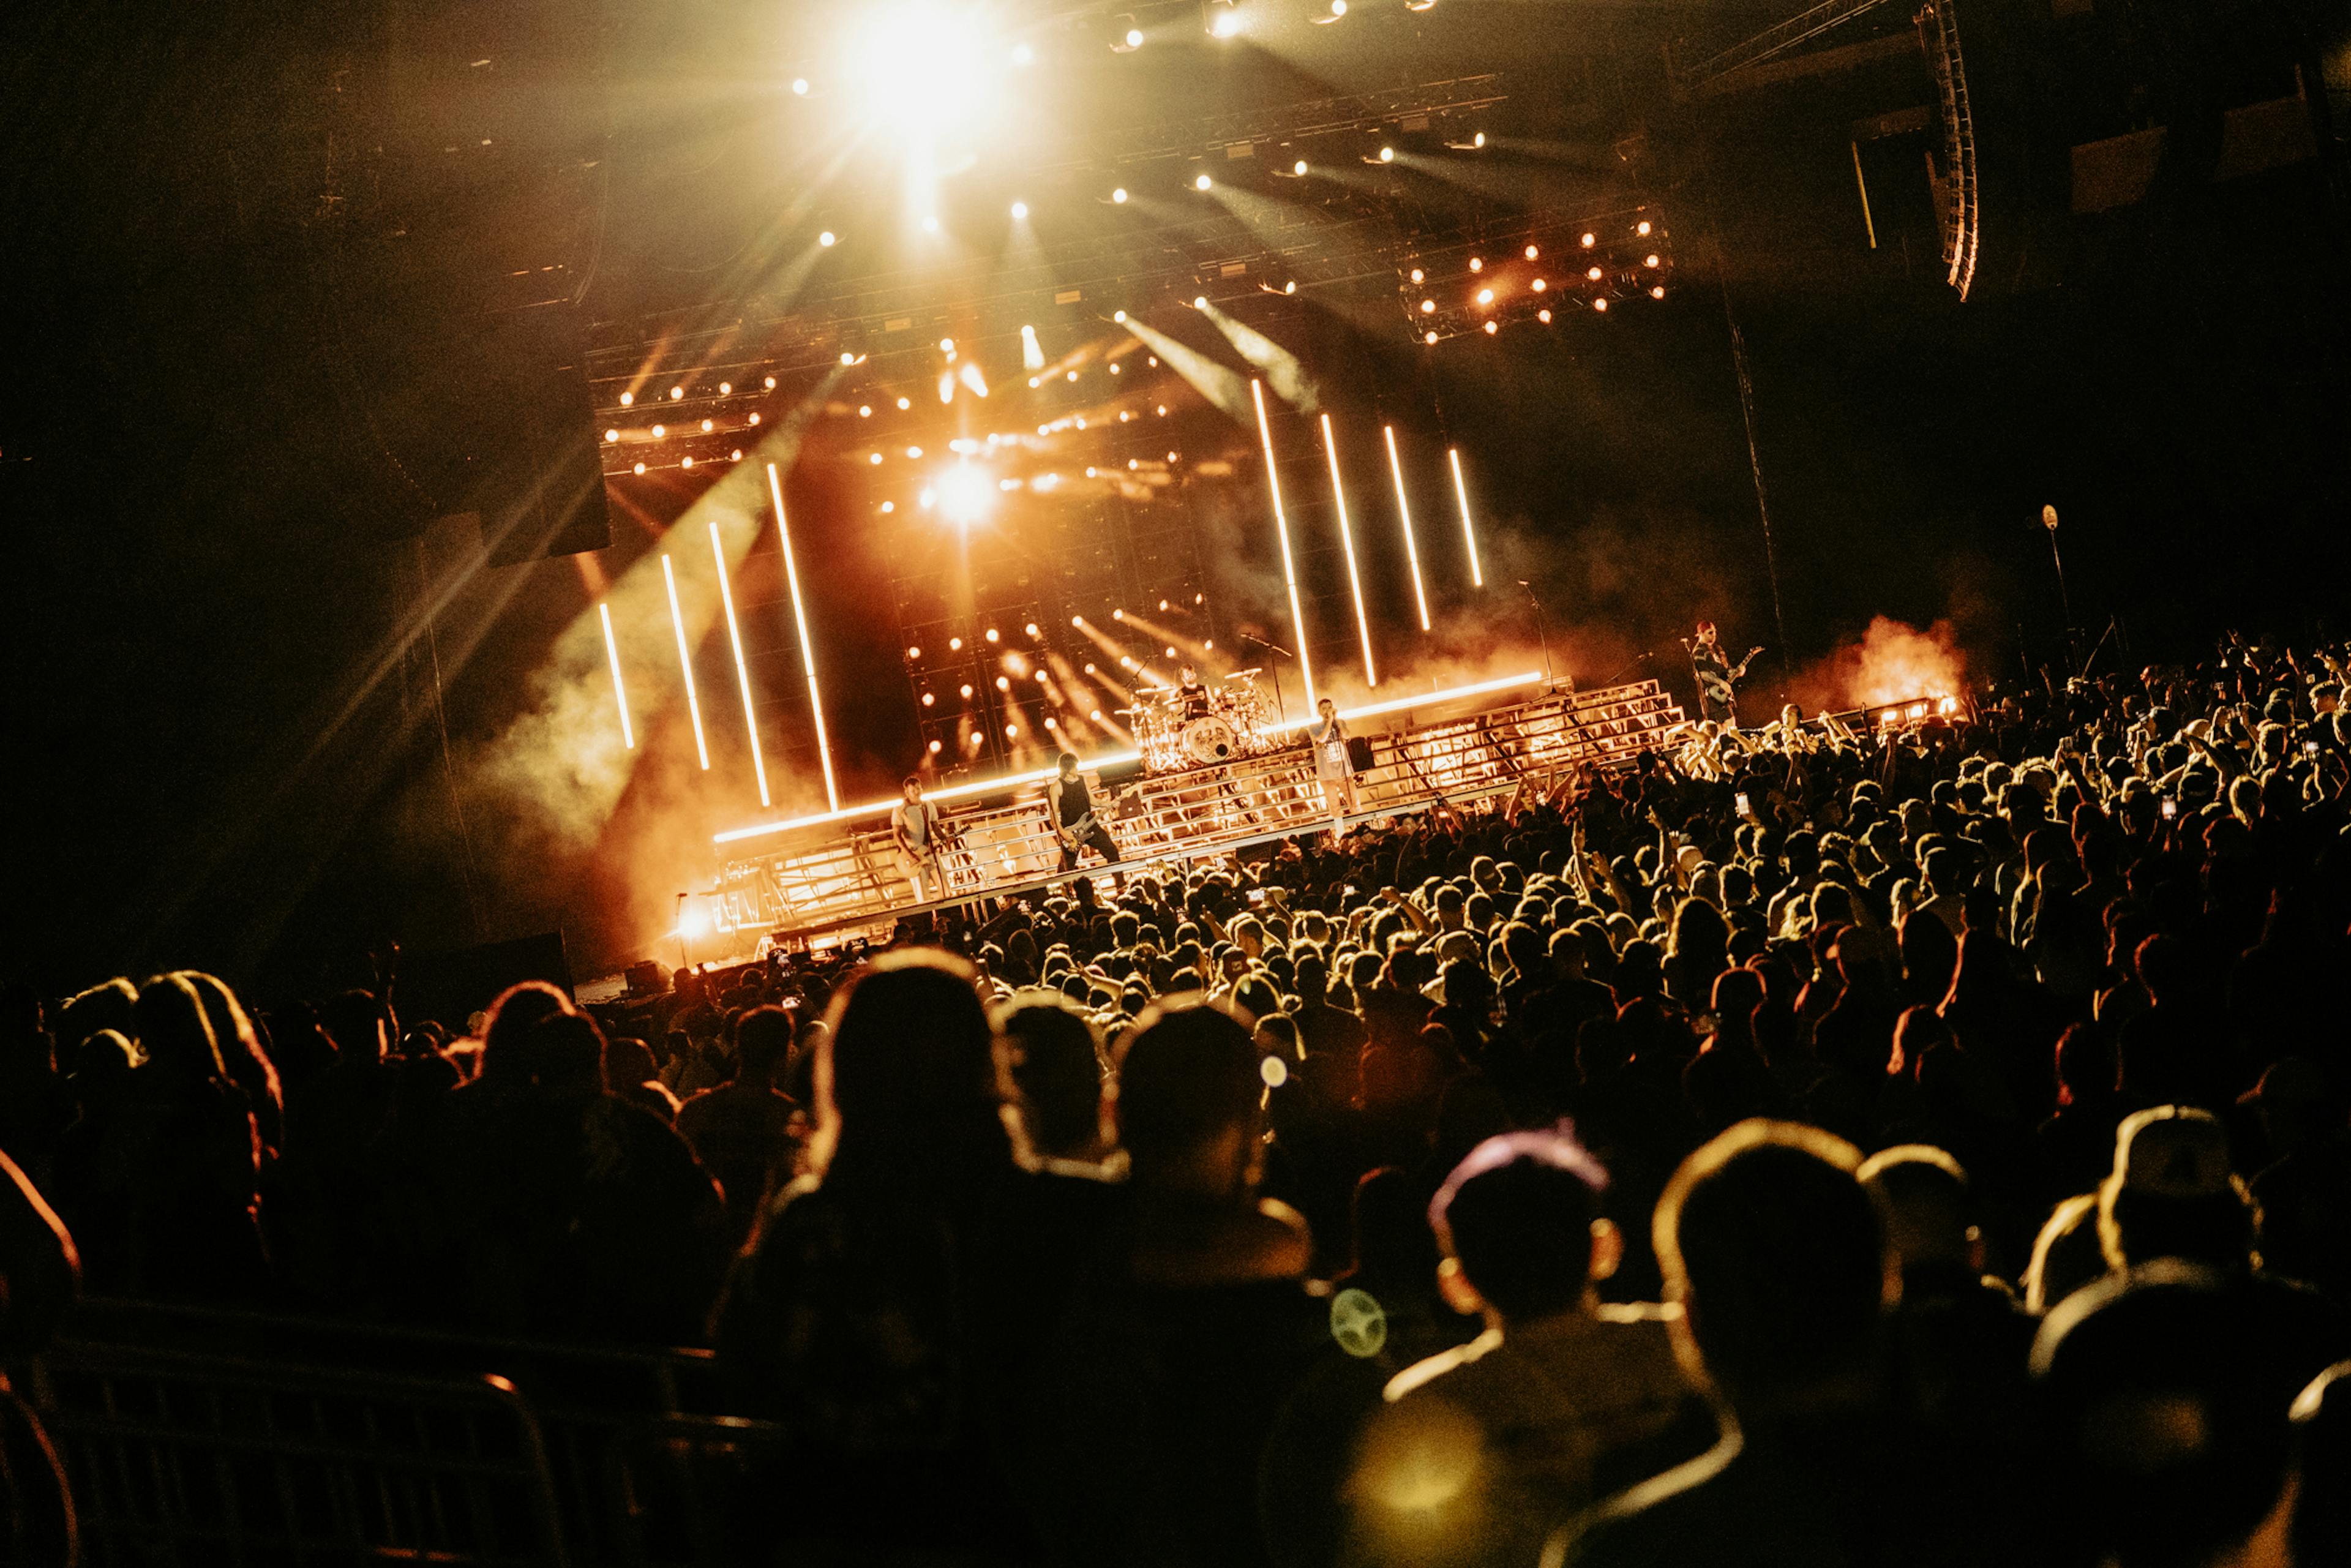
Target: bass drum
1210, 740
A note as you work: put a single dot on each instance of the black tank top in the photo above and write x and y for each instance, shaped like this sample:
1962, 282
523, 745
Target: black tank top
1075, 802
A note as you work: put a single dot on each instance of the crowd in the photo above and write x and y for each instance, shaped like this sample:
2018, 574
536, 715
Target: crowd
1811, 1145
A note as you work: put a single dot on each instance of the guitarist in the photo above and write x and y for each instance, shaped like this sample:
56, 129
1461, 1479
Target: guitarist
916, 827
1070, 810
1717, 677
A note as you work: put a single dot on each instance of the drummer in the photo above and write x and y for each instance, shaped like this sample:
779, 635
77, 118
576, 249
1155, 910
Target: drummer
1191, 696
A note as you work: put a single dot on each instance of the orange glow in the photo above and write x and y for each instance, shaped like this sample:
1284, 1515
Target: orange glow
1404, 510
685, 663
1469, 529
1281, 528
742, 669
1896, 662
1347, 542
620, 692
808, 651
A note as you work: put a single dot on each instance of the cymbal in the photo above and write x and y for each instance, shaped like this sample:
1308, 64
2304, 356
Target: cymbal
1152, 691
1245, 675
1126, 710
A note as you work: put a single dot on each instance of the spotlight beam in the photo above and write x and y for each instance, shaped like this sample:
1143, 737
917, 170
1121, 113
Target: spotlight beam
1403, 509
1347, 542
685, 662
620, 690
1469, 529
742, 668
1281, 528
807, 650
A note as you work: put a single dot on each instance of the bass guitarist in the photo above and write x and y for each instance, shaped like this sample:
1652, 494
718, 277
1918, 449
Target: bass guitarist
1070, 807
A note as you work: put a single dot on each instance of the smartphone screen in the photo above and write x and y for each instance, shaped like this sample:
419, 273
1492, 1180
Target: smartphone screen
1257, 895
1745, 806
2170, 809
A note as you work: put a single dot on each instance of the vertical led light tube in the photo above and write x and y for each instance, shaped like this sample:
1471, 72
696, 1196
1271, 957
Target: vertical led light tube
1403, 509
685, 663
1347, 541
1281, 530
620, 692
808, 651
742, 669
1469, 529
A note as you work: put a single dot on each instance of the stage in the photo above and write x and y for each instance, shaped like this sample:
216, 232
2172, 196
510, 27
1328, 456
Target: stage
837, 878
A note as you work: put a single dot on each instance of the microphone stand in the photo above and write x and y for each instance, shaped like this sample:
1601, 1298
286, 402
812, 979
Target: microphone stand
1542, 633
1281, 712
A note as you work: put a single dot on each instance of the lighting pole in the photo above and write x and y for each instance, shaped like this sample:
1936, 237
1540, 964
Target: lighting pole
1542, 633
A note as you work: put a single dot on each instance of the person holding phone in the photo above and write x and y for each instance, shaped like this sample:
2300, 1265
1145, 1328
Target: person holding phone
1333, 770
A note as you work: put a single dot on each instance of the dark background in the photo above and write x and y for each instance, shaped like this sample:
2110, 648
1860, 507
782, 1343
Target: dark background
231, 411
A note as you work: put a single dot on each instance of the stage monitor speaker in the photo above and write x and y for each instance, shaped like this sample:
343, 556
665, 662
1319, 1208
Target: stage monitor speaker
539, 470
453, 986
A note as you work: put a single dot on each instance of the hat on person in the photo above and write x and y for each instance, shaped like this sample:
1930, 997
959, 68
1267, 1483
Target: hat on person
2172, 1151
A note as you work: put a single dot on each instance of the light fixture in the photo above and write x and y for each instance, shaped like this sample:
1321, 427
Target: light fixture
1020, 210
1387, 154
930, 223
1543, 316
705, 427
771, 384
1134, 37
1299, 167
1650, 259
1533, 253
1601, 306
612, 436
1590, 240
1476, 264
1429, 307
1593, 273
1642, 228
1429, 338
1491, 329
826, 238
660, 431
1226, 24
1119, 194
640, 469
906, 403
1540, 286
1417, 275
800, 86
1484, 297
725, 388
1200, 302
675, 394
628, 398
1201, 181
1657, 291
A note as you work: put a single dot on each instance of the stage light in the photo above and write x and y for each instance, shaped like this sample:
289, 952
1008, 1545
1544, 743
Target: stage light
1201, 181
934, 746
1543, 315
1171, 457
1119, 195
993, 636
865, 411
1479, 140
1338, 8
1404, 510
660, 431
1601, 306
1430, 338
1115, 614
619, 691
930, 223
1593, 273
736, 455
808, 651
1072, 376
1281, 530
827, 239
1134, 37
742, 666
1650, 259
771, 386
628, 398
1131, 465
1299, 167
1114, 367
1476, 264
1484, 297
955, 645
1090, 669
947, 386
847, 358
687, 461
930, 699
1200, 302
1011, 732
1417, 275
1226, 24
1022, 55
725, 388
754, 419
1533, 253
1003, 682
946, 345
966, 689
685, 663
1387, 154
1118, 316
1591, 240
1347, 543
875, 459
705, 427
1491, 329
1020, 210
904, 403
1429, 307
1657, 291
612, 436
675, 394
1030, 629
914, 452
1642, 228
888, 508
1469, 529
641, 468
925, 499
1096, 716
1162, 409
800, 86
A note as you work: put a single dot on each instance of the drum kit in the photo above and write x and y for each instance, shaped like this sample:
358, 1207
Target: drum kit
1173, 734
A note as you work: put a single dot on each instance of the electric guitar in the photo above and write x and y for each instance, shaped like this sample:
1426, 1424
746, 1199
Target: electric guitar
1072, 834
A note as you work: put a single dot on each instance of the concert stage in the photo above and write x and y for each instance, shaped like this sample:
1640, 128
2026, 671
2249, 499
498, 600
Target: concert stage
837, 876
